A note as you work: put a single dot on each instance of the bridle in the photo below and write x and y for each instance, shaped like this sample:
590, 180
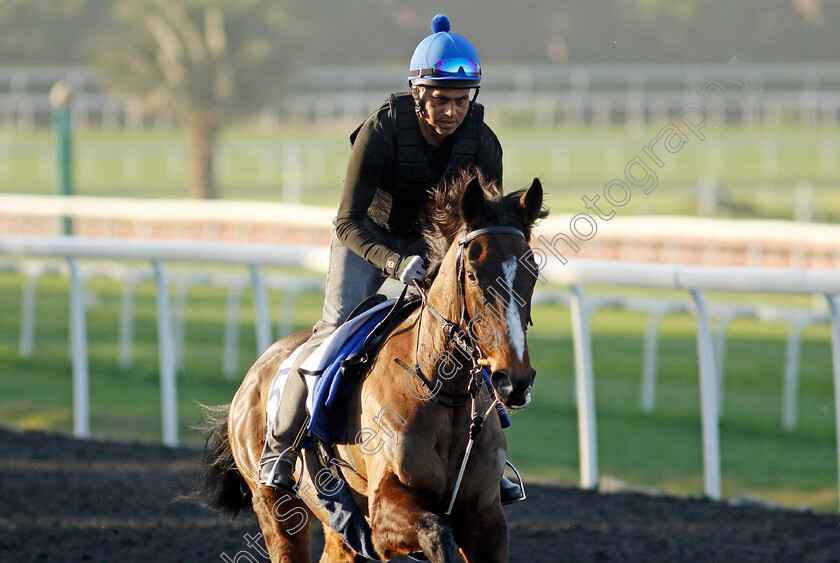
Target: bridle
459, 333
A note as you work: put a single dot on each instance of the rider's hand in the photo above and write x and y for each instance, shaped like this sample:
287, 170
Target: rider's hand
411, 268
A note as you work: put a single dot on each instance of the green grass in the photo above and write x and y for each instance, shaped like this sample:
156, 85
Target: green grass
662, 450
251, 165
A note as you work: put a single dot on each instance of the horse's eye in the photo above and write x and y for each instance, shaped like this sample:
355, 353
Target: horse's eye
471, 276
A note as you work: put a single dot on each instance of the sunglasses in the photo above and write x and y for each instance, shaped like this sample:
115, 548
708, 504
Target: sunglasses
455, 67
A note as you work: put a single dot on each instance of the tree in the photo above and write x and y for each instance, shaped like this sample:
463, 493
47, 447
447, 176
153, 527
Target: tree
208, 62
25, 26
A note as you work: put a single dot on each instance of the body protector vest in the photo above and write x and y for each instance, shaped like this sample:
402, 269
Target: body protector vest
410, 180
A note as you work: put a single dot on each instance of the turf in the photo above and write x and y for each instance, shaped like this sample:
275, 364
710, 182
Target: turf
661, 450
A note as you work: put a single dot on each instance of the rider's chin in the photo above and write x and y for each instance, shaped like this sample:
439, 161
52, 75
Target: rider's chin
447, 126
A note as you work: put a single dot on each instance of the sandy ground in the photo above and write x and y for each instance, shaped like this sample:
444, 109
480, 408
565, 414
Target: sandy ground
69, 500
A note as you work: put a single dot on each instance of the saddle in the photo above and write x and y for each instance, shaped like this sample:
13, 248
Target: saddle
333, 371
334, 386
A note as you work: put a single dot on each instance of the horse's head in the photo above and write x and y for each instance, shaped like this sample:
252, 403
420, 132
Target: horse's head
495, 274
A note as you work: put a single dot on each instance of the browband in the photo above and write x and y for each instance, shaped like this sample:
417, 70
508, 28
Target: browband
478, 232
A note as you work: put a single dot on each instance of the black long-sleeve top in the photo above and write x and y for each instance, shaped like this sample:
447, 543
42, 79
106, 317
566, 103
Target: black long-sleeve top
384, 195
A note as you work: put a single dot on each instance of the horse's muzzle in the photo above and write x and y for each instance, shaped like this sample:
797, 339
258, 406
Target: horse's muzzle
513, 391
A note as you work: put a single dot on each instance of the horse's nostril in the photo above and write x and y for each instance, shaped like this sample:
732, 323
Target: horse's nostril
501, 381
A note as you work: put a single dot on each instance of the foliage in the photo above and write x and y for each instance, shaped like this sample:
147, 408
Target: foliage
25, 24
208, 62
600, 31
535, 31
205, 55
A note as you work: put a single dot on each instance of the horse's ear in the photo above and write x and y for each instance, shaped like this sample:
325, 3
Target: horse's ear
472, 203
530, 204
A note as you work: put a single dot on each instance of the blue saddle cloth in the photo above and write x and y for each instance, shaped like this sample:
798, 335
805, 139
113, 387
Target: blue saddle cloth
332, 390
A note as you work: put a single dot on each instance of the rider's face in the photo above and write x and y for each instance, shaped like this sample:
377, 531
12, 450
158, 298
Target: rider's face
445, 108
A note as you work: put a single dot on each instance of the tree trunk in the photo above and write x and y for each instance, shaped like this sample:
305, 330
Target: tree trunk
201, 130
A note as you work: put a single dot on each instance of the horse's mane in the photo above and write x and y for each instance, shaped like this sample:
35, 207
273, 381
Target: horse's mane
443, 213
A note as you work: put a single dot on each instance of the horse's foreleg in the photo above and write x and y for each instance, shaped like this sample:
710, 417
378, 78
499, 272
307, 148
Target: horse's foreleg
336, 551
284, 521
484, 536
400, 525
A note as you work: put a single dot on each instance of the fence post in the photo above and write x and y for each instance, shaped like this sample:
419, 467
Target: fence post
179, 318
708, 398
28, 309
647, 396
78, 347
789, 395
834, 305
126, 336
231, 357
587, 430
723, 321
261, 307
287, 315
60, 102
166, 357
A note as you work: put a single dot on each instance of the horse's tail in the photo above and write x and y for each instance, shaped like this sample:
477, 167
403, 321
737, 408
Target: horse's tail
220, 485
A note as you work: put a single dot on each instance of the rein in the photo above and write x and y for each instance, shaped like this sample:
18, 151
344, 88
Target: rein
460, 334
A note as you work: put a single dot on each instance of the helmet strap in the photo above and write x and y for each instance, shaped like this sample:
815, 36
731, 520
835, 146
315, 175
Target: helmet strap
418, 107
472, 102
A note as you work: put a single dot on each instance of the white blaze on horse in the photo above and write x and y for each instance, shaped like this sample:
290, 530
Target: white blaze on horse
411, 427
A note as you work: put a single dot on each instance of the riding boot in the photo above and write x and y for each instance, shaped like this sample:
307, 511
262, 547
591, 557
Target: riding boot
288, 428
509, 491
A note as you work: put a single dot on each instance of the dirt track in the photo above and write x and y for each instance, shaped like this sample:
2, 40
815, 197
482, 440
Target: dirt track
67, 500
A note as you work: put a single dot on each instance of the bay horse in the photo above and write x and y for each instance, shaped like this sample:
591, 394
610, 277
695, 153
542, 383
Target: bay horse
412, 416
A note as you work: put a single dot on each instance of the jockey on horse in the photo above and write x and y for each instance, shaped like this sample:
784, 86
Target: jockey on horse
415, 141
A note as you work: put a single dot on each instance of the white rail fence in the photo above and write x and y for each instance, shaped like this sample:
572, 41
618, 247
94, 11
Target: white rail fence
156, 252
697, 280
596, 93
133, 277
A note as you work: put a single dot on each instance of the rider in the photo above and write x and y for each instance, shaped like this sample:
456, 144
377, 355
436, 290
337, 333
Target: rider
415, 141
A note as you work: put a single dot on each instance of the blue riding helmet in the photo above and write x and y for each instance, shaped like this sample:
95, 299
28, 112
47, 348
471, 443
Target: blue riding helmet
444, 59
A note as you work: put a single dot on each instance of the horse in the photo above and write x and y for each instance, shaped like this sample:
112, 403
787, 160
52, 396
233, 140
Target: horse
422, 468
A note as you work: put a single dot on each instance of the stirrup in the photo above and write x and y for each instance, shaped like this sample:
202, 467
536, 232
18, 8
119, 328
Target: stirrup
519, 482
286, 485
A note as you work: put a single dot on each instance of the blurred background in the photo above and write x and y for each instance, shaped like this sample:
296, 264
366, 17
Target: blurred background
207, 119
